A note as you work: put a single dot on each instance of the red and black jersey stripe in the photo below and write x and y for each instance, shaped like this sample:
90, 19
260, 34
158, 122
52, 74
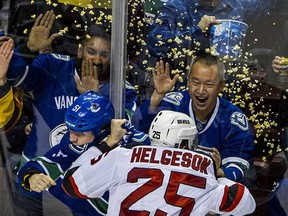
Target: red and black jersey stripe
69, 185
232, 197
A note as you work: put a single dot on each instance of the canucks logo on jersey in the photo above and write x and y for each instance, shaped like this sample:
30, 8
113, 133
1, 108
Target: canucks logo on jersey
240, 120
61, 57
56, 134
173, 98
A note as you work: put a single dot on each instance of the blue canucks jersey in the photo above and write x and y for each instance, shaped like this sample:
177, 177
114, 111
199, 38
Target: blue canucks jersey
50, 78
227, 130
59, 158
54, 163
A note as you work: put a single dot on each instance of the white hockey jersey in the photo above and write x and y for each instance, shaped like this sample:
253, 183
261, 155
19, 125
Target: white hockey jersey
147, 180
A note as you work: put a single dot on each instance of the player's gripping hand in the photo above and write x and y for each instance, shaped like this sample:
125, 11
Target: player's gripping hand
39, 182
133, 136
216, 157
214, 153
117, 132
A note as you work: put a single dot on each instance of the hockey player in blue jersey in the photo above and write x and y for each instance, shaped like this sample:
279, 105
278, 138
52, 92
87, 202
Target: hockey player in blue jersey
88, 121
56, 81
220, 124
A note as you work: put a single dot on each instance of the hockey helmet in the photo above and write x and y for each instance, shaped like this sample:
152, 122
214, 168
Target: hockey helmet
170, 128
90, 112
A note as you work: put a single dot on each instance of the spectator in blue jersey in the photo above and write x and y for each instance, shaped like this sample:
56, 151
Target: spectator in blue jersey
181, 28
184, 24
220, 124
88, 121
56, 81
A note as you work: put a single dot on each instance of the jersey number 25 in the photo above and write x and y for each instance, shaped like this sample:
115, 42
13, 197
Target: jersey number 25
171, 197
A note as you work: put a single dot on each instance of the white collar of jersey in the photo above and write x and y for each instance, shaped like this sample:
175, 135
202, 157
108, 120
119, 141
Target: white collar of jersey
191, 113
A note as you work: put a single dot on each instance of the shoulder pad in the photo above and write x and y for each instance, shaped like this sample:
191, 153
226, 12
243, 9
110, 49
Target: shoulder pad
173, 98
61, 57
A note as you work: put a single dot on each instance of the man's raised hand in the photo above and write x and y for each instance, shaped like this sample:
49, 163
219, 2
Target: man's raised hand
161, 78
39, 37
162, 83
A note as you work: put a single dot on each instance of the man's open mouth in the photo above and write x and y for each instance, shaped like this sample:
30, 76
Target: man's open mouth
201, 99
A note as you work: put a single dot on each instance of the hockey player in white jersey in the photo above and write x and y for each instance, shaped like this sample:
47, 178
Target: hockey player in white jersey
161, 179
